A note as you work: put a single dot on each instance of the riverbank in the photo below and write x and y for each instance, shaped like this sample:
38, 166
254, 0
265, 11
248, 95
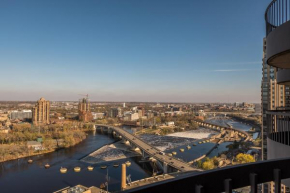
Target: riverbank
26, 156
16, 151
250, 122
163, 130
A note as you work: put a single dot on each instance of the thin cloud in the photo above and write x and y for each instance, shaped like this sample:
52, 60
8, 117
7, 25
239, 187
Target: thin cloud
240, 63
233, 70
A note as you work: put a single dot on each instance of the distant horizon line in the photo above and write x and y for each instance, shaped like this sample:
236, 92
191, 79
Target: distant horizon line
129, 101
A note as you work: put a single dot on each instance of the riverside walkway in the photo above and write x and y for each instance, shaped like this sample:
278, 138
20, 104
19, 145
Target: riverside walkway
150, 151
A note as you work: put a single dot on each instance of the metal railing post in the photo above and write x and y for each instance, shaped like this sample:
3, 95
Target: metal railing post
253, 182
228, 186
277, 180
199, 189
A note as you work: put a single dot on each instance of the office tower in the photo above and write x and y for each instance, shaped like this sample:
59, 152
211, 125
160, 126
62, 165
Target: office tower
40, 113
84, 110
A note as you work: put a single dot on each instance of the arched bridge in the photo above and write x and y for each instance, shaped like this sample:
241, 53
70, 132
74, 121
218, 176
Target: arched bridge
148, 150
241, 133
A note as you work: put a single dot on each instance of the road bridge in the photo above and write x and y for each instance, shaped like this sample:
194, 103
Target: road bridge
149, 151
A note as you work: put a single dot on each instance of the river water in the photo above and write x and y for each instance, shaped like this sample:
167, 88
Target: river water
19, 176
235, 124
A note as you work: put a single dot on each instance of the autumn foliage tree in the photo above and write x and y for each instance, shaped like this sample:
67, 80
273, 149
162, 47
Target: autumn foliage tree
244, 158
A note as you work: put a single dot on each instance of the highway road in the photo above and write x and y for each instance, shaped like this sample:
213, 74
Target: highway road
152, 151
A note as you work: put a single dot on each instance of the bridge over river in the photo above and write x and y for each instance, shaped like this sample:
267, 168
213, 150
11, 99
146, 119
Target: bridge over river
239, 132
147, 150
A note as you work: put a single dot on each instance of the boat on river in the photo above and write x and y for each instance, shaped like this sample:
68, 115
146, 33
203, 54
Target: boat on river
188, 147
116, 165
30, 161
181, 149
174, 153
193, 144
46, 166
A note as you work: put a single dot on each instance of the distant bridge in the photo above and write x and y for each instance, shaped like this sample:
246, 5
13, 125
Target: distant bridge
241, 133
167, 162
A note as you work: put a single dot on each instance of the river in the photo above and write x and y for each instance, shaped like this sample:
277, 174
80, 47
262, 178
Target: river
19, 176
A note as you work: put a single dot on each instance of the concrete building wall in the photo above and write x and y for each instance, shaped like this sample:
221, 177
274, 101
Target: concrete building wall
278, 150
21, 115
134, 116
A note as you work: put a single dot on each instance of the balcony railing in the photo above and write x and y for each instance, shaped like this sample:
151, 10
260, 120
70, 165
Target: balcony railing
223, 180
279, 126
277, 13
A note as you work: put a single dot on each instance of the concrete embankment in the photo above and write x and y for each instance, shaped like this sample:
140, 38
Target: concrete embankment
215, 146
203, 156
112, 152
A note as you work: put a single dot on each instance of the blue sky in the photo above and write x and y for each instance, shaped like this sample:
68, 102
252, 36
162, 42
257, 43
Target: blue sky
132, 50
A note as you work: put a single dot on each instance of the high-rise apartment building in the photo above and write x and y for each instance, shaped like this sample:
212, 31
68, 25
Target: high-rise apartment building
276, 95
115, 112
267, 75
273, 95
40, 113
141, 111
275, 87
84, 110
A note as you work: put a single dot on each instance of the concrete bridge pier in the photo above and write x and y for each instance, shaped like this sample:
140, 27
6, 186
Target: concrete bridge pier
110, 130
165, 167
159, 165
144, 155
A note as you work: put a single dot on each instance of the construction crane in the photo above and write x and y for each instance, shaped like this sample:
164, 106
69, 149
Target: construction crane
87, 95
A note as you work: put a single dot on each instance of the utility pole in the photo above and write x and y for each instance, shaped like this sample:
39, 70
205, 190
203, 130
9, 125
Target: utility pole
108, 179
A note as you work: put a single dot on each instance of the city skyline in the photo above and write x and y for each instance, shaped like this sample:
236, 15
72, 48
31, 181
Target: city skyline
167, 52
